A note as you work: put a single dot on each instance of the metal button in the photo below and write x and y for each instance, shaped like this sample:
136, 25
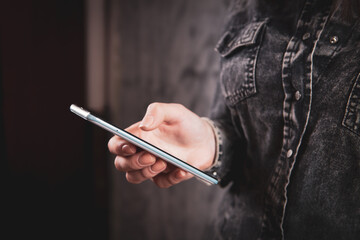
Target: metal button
305, 36
289, 153
297, 95
334, 39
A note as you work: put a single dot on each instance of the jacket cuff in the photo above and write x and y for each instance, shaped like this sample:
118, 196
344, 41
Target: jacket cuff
215, 167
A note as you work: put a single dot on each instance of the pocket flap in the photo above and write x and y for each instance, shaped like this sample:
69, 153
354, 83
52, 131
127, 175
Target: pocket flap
244, 35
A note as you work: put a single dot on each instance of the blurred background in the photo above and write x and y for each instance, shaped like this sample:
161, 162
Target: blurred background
113, 57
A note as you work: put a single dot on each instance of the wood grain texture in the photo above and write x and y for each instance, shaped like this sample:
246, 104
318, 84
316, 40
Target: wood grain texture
162, 51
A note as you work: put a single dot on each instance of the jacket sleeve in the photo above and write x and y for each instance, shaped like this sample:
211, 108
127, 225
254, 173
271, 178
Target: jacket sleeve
228, 139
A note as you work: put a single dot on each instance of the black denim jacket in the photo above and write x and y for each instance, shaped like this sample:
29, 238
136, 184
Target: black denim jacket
288, 110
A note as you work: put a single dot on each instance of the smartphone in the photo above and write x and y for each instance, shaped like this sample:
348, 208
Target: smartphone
144, 145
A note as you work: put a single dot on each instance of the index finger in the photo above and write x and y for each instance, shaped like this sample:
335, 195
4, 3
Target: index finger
119, 146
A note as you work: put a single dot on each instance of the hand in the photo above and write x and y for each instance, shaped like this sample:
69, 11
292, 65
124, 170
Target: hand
174, 129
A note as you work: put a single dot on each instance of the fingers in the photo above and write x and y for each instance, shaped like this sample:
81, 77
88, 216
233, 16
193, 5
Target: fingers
120, 147
158, 113
143, 166
140, 167
146, 173
134, 162
167, 180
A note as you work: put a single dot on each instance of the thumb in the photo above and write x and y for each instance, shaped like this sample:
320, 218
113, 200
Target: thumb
158, 113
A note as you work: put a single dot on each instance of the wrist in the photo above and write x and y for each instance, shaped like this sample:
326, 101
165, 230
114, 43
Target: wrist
215, 143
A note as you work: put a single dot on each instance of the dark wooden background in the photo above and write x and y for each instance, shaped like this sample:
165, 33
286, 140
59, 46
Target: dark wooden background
51, 181
57, 179
162, 51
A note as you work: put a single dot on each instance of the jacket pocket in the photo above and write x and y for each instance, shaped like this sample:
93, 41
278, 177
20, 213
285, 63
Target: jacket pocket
239, 48
351, 119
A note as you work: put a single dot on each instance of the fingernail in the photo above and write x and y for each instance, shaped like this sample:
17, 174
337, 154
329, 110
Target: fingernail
147, 121
127, 149
146, 159
158, 167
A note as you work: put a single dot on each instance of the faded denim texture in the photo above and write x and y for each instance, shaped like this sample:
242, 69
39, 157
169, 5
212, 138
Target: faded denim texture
288, 107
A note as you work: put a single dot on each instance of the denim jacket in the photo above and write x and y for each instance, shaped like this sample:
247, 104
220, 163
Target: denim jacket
288, 113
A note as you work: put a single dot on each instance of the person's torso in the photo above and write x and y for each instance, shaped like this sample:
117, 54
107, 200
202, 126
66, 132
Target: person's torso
290, 75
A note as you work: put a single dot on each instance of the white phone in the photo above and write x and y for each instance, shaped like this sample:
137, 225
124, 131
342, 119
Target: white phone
144, 145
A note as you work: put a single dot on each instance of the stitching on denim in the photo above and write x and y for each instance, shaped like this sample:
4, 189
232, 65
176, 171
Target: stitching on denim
249, 87
281, 163
244, 38
352, 111
321, 27
337, 48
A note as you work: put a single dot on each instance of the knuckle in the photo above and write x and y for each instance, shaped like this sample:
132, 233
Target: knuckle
155, 107
152, 106
179, 106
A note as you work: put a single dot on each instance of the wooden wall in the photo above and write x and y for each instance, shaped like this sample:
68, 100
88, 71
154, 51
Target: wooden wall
50, 177
161, 51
